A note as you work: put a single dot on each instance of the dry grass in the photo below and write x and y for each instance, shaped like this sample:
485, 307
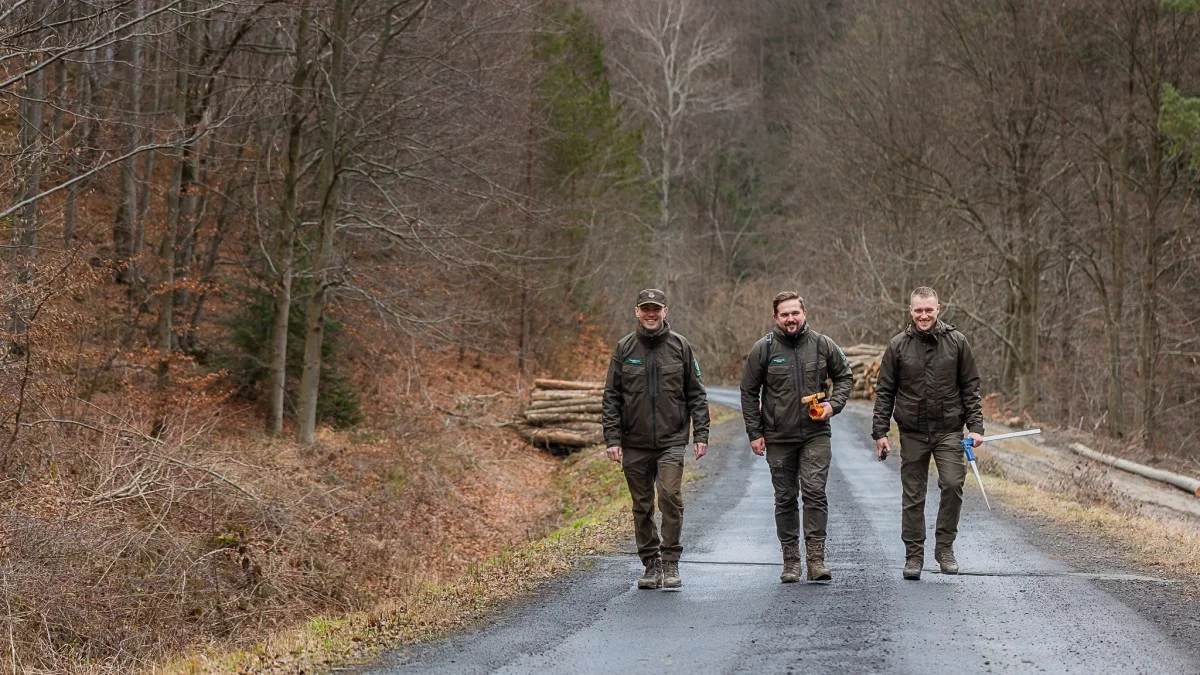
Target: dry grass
1167, 549
589, 484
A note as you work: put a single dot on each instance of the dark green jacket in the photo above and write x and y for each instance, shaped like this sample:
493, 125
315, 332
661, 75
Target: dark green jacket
786, 369
930, 382
653, 390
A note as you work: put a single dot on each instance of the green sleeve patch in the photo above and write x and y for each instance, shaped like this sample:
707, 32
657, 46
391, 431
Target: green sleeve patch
696, 365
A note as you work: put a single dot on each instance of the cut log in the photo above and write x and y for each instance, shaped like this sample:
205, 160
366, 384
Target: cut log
567, 384
1186, 483
865, 350
558, 418
569, 403
552, 436
581, 408
559, 395
586, 427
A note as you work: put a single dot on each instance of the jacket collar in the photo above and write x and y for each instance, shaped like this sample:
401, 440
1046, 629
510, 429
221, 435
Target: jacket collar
791, 340
652, 338
939, 329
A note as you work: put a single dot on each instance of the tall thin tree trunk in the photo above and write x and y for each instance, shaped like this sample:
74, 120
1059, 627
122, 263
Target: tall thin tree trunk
177, 203
289, 225
26, 218
123, 226
1148, 334
314, 335
1118, 231
139, 228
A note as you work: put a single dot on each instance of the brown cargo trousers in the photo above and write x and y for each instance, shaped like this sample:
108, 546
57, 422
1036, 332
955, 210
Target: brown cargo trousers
947, 454
646, 470
800, 470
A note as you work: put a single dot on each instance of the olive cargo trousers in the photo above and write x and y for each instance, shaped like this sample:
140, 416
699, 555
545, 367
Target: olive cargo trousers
646, 470
947, 454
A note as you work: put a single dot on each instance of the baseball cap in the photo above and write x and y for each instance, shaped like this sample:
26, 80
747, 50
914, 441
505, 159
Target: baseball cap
652, 296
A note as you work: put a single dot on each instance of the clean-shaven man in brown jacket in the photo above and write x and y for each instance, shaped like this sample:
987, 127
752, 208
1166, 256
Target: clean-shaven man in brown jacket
929, 382
654, 400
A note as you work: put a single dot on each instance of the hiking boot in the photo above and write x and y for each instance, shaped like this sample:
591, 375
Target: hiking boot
817, 571
912, 567
791, 564
653, 576
945, 558
670, 572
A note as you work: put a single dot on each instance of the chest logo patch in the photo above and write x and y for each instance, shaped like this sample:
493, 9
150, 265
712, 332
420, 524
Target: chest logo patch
779, 359
636, 362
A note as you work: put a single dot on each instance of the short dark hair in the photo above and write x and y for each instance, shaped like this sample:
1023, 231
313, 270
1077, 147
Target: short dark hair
784, 296
923, 292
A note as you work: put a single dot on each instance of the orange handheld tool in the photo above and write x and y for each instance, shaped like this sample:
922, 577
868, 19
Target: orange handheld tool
815, 409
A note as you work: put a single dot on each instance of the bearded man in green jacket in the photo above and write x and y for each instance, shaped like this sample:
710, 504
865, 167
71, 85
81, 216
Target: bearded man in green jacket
654, 400
788, 364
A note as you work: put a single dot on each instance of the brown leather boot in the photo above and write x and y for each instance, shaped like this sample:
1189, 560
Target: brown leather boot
653, 576
945, 559
671, 574
817, 571
912, 567
791, 563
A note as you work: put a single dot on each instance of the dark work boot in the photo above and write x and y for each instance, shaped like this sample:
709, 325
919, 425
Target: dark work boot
817, 571
791, 563
653, 576
670, 577
945, 558
912, 567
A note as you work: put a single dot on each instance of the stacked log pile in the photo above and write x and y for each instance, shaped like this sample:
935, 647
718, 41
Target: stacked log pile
563, 415
864, 361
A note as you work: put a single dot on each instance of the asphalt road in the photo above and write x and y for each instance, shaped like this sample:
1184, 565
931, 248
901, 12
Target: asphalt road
1014, 609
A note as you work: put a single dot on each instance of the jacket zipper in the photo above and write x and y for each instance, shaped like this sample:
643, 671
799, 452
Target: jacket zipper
652, 385
797, 376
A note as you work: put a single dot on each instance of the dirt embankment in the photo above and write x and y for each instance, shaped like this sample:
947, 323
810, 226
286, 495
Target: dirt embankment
1044, 461
119, 551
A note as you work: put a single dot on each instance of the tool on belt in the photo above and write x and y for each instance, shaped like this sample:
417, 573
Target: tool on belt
968, 442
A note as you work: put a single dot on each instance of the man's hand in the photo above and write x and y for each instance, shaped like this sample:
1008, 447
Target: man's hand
883, 448
759, 446
826, 412
701, 450
976, 439
614, 453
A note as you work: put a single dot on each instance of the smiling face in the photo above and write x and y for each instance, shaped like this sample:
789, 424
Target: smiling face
650, 315
924, 310
790, 316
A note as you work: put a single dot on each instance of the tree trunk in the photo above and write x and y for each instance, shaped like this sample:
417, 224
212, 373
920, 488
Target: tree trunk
314, 334
123, 226
26, 218
177, 203
1148, 333
288, 227
1117, 250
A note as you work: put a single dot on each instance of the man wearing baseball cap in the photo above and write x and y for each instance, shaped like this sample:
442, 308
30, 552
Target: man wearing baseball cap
654, 400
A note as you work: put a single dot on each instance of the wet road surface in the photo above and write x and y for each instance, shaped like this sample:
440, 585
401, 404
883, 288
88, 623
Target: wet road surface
1012, 609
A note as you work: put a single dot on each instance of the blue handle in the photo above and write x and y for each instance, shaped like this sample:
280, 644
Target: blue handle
967, 443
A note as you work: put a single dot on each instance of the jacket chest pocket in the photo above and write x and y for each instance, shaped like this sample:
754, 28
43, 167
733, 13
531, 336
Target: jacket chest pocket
779, 377
944, 368
671, 379
633, 377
